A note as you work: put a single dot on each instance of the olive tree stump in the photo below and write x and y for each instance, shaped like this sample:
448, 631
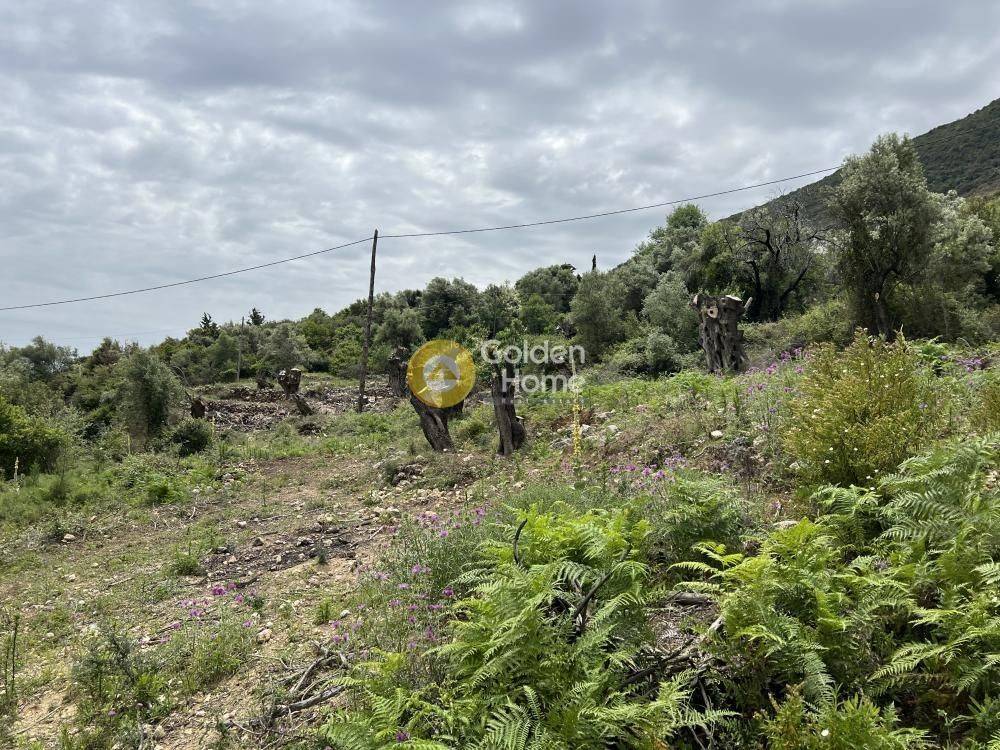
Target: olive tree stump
509, 425
434, 423
397, 372
290, 380
719, 331
198, 407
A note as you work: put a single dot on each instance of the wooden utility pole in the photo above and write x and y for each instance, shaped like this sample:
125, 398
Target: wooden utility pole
239, 349
368, 329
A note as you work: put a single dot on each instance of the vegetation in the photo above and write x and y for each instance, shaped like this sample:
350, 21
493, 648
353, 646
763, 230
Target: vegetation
804, 555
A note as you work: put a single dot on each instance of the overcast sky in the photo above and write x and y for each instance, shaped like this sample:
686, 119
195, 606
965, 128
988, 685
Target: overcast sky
148, 142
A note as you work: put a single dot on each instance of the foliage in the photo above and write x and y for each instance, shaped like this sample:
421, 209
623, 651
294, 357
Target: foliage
448, 304
986, 410
826, 322
668, 308
192, 436
596, 312
889, 213
400, 327
30, 442
519, 672
944, 534
685, 509
775, 257
795, 615
861, 411
146, 390
498, 308
556, 285
661, 353
10, 648
284, 348
677, 244
855, 723
537, 315
41, 359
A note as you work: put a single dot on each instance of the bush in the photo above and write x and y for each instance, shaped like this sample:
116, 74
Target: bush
29, 441
521, 671
147, 389
825, 323
855, 723
689, 508
192, 436
986, 411
861, 411
661, 353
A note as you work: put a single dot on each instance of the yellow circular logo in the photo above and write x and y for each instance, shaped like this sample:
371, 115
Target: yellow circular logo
441, 373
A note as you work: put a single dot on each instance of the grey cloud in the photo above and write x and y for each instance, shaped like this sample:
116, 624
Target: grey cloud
145, 142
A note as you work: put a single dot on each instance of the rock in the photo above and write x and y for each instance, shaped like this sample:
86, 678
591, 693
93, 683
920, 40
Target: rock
69, 538
257, 541
717, 434
242, 524
264, 635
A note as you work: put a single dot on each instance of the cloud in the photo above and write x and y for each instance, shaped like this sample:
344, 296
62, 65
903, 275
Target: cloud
143, 143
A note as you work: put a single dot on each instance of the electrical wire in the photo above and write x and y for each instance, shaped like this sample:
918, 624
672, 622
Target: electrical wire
526, 225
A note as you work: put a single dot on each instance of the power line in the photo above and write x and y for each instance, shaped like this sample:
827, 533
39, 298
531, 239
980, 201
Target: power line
610, 213
186, 281
545, 222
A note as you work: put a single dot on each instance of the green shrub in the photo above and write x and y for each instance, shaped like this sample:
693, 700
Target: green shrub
985, 415
520, 670
192, 436
687, 508
861, 411
855, 723
943, 515
147, 389
661, 353
29, 441
116, 688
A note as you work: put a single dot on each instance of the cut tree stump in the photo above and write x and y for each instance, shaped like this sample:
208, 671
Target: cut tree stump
511, 429
290, 380
198, 407
434, 423
397, 372
719, 331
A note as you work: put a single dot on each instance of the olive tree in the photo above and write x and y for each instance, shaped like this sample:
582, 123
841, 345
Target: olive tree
888, 215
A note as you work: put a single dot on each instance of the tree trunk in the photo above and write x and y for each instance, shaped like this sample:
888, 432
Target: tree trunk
434, 423
397, 372
719, 332
289, 380
198, 407
302, 405
511, 430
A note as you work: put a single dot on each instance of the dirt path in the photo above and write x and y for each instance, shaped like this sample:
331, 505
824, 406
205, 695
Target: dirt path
292, 533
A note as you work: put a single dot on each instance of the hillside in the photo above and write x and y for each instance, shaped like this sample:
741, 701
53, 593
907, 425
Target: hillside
963, 155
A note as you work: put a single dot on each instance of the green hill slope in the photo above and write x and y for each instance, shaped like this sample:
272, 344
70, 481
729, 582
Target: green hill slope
963, 155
